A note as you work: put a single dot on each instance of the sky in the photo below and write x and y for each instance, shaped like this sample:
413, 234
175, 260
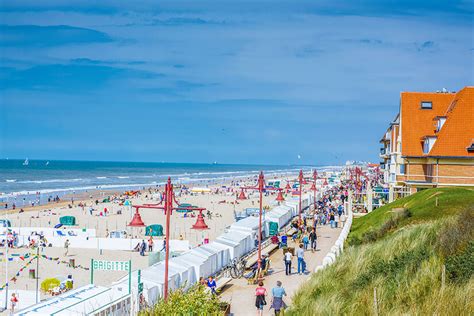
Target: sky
227, 81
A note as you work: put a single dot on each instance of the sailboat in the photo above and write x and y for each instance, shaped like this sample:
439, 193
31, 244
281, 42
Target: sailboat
26, 162
47, 163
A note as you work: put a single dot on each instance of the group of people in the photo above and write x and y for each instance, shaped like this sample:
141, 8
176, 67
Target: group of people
328, 209
277, 303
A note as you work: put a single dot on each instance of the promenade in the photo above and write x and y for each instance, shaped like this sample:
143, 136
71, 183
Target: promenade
242, 296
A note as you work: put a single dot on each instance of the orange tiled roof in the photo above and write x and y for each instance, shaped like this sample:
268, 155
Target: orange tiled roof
417, 122
457, 132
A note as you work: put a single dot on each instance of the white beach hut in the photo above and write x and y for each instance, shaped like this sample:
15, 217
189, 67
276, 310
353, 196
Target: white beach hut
243, 238
222, 251
187, 272
249, 224
210, 255
234, 247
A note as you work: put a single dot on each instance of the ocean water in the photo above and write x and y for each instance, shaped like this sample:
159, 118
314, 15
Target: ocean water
40, 178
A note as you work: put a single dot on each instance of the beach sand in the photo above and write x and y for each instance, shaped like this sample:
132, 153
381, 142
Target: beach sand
40, 216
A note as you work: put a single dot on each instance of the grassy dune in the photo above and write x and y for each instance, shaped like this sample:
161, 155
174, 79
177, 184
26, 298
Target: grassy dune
400, 250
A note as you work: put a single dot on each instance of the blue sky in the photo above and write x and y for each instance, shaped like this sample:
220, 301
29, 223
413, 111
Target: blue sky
227, 81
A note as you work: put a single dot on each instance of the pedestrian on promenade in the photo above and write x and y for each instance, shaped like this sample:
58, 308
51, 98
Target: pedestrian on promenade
287, 258
305, 240
313, 237
260, 302
277, 298
332, 220
300, 256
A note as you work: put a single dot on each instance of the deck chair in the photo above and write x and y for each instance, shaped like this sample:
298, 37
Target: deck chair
60, 233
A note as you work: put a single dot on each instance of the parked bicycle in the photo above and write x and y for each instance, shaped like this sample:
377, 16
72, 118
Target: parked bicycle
237, 268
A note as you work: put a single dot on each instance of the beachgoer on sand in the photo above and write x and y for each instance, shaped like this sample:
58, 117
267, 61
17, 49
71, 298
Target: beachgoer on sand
66, 247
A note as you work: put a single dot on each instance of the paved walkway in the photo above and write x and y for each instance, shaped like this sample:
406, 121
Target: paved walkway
242, 296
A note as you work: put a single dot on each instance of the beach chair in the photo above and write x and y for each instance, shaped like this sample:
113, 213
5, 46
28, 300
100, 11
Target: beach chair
60, 233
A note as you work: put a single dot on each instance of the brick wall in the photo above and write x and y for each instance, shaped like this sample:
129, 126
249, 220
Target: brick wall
463, 174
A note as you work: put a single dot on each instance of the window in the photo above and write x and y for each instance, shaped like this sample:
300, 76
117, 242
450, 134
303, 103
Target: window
426, 146
402, 168
426, 105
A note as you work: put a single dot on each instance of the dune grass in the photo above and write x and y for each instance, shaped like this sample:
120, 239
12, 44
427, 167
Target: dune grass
403, 261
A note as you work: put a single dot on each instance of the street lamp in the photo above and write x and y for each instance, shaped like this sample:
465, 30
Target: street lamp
302, 181
260, 187
168, 198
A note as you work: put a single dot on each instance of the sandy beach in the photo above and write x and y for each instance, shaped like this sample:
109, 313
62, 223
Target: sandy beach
221, 207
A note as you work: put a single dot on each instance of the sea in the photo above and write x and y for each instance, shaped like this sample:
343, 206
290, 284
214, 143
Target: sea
34, 181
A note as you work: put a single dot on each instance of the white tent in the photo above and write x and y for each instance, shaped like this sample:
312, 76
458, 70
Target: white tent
244, 239
187, 272
281, 215
202, 265
210, 255
222, 251
249, 224
234, 247
294, 204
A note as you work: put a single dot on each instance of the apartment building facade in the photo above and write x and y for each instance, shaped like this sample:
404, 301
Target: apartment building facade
430, 143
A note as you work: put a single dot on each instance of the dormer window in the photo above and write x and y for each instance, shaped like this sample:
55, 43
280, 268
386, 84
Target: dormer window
428, 143
441, 121
426, 105
470, 149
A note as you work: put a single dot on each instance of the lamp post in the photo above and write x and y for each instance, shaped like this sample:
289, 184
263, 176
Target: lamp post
302, 181
168, 207
313, 187
260, 187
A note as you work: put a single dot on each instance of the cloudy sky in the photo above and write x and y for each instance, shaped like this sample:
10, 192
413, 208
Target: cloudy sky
227, 81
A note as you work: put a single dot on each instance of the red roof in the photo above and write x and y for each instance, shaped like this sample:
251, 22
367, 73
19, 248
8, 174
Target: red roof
457, 133
415, 122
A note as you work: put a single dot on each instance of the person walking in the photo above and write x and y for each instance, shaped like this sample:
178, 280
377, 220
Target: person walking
150, 244
287, 258
260, 302
277, 298
66, 247
301, 263
332, 220
312, 238
13, 302
305, 240
142, 248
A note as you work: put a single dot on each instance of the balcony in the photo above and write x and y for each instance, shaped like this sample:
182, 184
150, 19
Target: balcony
384, 152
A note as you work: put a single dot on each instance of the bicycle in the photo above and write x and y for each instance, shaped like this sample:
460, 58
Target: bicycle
237, 268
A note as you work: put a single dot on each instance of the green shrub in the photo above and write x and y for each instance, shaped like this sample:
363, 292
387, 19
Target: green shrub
196, 301
49, 284
403, 261
460, 267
